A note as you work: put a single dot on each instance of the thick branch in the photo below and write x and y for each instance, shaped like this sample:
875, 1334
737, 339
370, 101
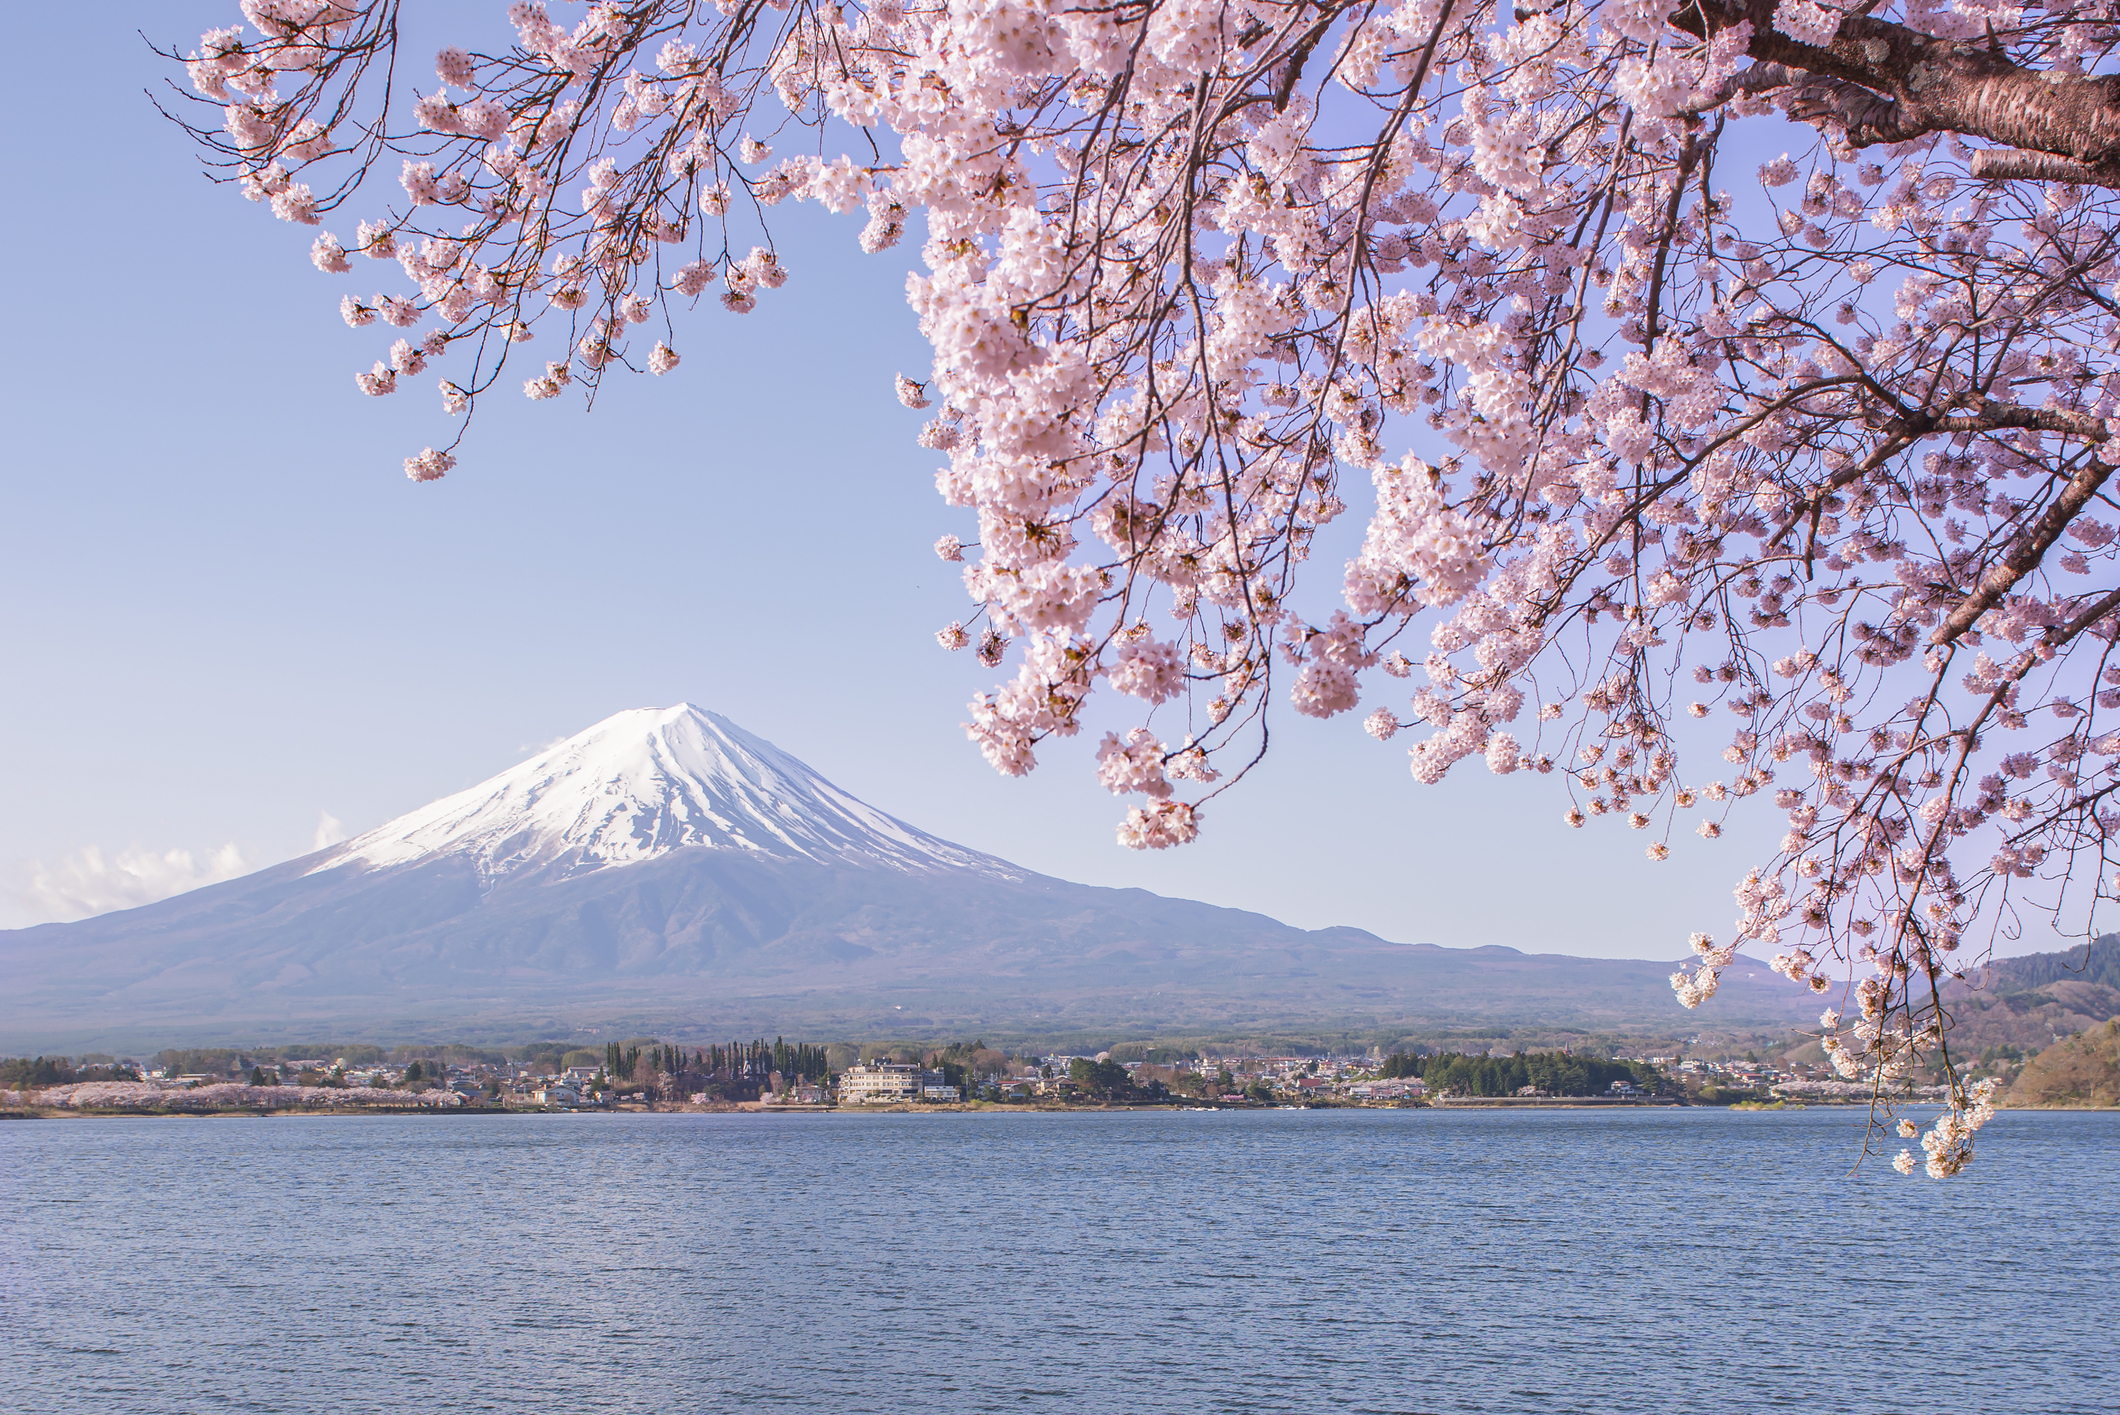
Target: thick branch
1887, 83
1864, 116
2004, 165
1757, 78
1995, 416
2029, 550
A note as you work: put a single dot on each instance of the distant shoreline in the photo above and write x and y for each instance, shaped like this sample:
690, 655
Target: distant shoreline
1491, 1103
60, 1112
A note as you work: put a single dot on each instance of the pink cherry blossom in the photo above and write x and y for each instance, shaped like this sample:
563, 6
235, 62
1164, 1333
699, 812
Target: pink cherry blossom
430, 465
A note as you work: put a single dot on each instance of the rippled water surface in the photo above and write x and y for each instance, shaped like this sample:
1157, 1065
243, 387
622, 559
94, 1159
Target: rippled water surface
1636, 1261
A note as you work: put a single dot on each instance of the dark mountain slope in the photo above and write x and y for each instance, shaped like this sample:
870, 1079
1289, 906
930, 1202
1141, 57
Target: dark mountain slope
707, 934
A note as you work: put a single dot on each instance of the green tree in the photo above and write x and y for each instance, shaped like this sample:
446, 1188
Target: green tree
1557, 1073
200, 1061
22, 1072
1104, 1079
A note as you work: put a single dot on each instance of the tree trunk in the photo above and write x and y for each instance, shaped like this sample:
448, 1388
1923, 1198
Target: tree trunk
1885, 83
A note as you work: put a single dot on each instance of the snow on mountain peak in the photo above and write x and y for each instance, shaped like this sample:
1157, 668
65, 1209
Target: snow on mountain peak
641, 784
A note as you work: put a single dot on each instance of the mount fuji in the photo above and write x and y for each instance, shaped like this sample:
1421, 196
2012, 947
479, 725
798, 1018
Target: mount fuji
642, 785
666, 868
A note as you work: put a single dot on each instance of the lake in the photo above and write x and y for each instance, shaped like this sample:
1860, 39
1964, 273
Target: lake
1611, 1260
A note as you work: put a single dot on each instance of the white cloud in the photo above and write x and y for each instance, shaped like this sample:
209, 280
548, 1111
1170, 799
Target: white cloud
330, 831
86, 883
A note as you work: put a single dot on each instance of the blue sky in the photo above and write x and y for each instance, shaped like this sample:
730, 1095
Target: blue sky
227, 613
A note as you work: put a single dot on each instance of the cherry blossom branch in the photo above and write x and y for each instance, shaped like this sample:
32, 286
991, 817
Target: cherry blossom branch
2027, 552
1197, 278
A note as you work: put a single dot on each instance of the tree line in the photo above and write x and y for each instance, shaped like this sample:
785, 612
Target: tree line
235, 1061
20, 1073
1557, 1073
736, 1061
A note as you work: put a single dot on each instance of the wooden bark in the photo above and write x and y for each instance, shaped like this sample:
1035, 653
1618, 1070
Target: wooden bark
1886, 83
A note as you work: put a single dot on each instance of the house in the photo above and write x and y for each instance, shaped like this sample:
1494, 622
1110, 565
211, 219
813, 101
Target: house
556, 1095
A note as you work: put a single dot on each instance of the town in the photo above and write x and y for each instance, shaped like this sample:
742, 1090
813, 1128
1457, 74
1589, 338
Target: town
647, 1074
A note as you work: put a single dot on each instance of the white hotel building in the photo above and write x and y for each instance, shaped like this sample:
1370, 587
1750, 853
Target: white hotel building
884, 1082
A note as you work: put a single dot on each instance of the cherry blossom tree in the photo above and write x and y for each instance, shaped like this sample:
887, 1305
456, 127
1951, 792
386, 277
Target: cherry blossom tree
1645, 431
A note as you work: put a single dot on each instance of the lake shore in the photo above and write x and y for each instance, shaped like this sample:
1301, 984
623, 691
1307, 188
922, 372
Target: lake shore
1487, 1103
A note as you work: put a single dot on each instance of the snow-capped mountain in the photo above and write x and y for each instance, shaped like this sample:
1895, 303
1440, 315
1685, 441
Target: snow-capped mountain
667, 869
640, 785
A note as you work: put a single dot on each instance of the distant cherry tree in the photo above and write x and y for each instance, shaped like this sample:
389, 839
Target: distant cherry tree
1652, 432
